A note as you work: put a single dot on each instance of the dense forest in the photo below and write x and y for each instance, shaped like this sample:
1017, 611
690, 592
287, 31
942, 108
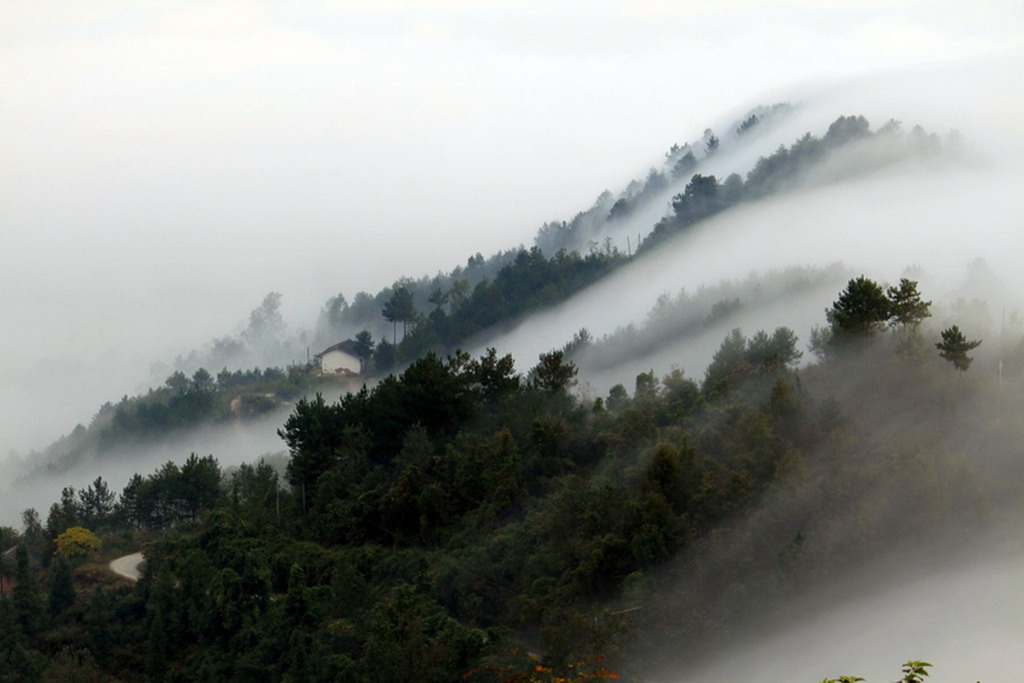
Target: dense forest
464, 518
451, 516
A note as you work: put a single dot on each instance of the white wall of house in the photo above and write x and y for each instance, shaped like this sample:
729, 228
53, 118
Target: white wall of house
337, 360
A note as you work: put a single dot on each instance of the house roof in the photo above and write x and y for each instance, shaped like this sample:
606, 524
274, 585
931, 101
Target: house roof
348, 346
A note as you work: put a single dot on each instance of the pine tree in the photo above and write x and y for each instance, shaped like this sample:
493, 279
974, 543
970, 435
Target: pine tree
861, 310
27, 603
399, 309
907, 312
17, 663
954, 347
62, 587
364, 348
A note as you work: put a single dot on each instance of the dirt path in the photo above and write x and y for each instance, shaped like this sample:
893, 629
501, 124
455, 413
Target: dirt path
127, 566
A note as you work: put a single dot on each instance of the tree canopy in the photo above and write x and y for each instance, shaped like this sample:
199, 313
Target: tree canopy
76, 541
861, 310
955, 346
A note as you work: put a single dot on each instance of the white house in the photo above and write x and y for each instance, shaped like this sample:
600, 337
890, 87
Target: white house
340, 359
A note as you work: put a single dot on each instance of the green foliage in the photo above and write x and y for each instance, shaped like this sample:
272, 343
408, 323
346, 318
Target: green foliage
313, 438
785, 168
553, 375
96, 503
62, 587
364, 345
25, 598
411, 638
181, 403
955, 346
384, 358
172, 495
74, 665
18, 662
738, 357
400, 309
699, 200
906, 308
255, 493
458, 499
861, 311
674, 319
913, 672
864, 308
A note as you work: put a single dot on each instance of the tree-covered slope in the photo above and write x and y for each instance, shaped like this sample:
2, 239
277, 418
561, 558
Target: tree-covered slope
475, 303
425, 526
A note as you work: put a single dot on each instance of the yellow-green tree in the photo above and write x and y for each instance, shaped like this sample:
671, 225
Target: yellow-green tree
76, 540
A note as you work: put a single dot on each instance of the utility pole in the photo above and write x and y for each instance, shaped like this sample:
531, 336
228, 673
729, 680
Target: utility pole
1002, 347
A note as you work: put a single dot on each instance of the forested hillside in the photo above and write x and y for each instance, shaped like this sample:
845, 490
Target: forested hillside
451, 515
473, 304
436, 524
511, 342
476, 302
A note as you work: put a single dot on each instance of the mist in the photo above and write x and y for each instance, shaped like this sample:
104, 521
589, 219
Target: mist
37, 483
944, 592
165, 166
951, 225
962, 614
933, 217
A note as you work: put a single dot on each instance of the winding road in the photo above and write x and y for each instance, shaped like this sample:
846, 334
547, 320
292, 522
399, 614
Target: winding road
127, 566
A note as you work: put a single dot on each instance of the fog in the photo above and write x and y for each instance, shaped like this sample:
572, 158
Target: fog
692, 353
963, 615
163, 166
38, 484
935, 217
948, 594
938, 220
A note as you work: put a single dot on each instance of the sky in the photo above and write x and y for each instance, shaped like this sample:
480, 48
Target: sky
164, 165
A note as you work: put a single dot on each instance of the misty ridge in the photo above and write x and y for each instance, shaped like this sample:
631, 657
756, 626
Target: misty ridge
468, 304
486, 299
679, 319
770, 446
489, 297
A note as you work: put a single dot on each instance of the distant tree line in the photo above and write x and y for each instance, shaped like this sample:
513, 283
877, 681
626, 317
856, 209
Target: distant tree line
530, 282
439, 314
705, 195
